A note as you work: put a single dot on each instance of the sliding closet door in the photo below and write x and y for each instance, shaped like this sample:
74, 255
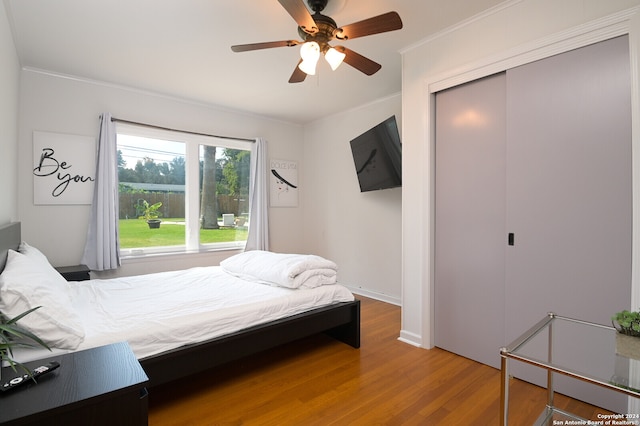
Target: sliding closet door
470, 219
542, 152
569, 190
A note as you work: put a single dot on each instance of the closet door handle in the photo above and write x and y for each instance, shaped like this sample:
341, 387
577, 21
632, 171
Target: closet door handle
511, 239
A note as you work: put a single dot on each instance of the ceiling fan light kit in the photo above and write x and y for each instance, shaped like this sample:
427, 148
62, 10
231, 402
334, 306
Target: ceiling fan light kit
310, 53
318, 30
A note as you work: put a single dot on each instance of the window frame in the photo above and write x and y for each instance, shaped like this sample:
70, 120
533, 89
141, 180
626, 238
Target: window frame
192, 143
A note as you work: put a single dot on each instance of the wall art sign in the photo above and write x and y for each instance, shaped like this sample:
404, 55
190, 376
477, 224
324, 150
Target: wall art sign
64, 168
283, 182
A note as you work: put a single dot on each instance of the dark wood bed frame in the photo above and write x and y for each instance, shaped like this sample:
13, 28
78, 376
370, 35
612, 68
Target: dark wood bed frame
341, 321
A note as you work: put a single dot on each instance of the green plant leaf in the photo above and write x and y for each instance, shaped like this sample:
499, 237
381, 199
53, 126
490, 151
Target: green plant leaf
12, 335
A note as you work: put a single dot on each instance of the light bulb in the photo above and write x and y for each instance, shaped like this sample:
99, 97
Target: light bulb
308, 66
310, 51
334, 58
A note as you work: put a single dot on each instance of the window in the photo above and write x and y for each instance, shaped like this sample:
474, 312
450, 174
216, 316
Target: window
181, 192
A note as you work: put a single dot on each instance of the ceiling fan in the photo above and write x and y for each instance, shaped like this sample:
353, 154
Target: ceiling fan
318, 30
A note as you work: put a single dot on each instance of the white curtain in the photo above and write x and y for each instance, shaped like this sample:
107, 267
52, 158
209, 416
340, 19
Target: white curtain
258, 238
102, 249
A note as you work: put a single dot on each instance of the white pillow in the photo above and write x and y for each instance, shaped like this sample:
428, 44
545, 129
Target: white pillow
38, 257
26, 284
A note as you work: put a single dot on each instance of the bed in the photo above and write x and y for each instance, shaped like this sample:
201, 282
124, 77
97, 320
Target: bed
295, 315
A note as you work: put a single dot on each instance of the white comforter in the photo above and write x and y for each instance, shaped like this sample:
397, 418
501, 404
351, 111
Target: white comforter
282, 269
158, 312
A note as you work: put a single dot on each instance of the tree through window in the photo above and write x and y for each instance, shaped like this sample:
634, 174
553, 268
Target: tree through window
198, 185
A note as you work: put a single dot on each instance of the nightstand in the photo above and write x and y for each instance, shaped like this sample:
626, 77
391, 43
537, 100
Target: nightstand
99, 386
74, 273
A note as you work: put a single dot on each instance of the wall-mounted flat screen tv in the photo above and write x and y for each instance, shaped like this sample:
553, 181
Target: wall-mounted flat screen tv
377, 154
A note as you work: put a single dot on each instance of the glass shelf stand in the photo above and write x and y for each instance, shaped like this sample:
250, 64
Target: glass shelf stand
576, 348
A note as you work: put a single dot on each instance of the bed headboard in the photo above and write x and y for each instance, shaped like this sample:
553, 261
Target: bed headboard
10, 238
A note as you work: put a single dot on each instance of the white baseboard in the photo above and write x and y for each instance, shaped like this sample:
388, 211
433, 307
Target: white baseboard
410, 338
405, 336
375, 295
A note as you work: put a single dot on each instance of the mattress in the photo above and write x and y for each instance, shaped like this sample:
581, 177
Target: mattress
162, 311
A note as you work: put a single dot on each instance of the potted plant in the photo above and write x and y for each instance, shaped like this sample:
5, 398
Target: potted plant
628, 325
627, 322
151, 214
12, 335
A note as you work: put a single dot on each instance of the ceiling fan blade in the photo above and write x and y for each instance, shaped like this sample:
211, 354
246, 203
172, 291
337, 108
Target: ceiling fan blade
389, 21
265, 45
358, 61
298, 75
300, 14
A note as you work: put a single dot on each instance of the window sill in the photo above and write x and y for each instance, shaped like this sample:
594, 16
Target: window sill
153, 256
168, 261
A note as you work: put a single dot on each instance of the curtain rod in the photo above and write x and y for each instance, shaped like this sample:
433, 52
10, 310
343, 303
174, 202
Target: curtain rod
118, 120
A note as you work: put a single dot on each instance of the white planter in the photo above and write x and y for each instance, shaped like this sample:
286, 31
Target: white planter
628, 346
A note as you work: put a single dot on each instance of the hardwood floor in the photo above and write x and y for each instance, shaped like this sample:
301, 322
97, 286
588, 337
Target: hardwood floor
320, 381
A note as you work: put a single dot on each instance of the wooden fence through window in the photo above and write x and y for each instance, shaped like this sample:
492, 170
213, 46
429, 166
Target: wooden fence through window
173, 204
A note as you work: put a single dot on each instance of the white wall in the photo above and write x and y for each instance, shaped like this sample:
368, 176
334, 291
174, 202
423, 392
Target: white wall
60, 104
361, 232
9, 84
511, 34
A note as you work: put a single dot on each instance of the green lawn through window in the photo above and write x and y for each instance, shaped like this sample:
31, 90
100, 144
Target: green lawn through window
135, 233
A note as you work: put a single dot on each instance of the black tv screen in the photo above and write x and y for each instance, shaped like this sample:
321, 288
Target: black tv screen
377, 155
